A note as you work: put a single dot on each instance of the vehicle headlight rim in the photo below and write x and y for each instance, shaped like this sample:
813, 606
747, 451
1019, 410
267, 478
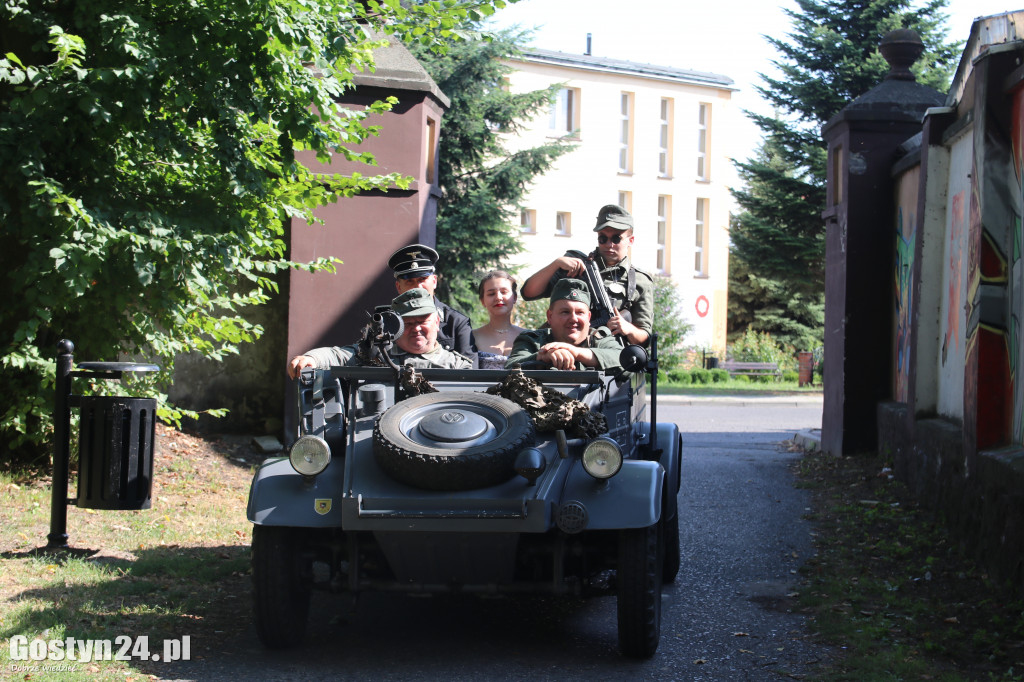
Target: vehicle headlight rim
602, 458
309, 455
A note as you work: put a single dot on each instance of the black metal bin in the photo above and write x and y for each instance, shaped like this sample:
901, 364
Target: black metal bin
115, 455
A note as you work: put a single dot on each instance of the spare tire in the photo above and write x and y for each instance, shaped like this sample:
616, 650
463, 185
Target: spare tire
457, 440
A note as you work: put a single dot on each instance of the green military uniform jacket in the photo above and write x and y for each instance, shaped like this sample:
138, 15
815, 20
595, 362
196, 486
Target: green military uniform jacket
440, 357
639, 303
605, 346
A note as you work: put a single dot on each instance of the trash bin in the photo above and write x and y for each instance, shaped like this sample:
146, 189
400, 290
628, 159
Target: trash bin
115, 452
805, 367
711, 362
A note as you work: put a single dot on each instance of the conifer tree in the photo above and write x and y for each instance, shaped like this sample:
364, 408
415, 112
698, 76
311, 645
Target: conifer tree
482, 182
828, 59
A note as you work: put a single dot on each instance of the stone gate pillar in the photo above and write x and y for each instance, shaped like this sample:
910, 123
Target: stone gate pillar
863, 140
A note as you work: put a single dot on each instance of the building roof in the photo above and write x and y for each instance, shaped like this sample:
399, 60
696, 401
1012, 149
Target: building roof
396, 69
605, 65
987, 33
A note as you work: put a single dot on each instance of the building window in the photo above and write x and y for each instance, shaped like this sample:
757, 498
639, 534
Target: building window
665, 140
527, 221
565, 112
700, 248
836, 183
626, 132
664, 230
626, 200
431, 150
703, 126
563, 223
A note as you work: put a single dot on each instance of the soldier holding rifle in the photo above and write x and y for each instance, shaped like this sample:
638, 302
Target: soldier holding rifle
627, 291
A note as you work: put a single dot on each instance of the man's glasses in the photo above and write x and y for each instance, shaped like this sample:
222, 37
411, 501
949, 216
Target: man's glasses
604, 239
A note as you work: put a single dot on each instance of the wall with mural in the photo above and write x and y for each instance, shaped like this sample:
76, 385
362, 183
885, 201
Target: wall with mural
952, 317
903, 279
1016, 307
993, 328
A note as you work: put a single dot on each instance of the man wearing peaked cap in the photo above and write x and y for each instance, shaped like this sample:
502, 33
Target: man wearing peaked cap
415, 267
417, 346
568, 342
630, 289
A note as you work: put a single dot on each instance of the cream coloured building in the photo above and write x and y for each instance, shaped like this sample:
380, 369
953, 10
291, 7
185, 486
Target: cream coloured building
646, 140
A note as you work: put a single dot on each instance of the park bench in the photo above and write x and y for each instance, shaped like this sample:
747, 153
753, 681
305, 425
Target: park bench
751, 369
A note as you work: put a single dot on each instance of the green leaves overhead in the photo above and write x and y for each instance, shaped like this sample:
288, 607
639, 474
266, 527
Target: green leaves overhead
829, 58
148, 169
482, 181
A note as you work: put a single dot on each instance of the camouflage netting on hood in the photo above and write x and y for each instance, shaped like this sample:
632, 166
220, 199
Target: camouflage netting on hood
414, 383
550, 409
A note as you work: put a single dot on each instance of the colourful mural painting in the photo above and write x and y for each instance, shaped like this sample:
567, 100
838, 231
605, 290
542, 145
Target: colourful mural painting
955, 251
906, 237
1016, 294
992, 317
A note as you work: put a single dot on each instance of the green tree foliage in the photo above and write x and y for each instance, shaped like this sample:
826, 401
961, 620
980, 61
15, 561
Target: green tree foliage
794, 315
669, 324
754, 346
829, 59
481, 180
147, 169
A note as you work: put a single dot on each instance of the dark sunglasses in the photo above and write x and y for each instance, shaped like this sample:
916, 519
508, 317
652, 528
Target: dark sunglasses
603, 239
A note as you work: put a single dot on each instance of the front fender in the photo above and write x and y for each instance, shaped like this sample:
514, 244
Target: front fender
670, 443
280, 496
630, 499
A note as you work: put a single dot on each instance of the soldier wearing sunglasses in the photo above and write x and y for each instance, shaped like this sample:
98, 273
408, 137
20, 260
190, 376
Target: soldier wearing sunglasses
631, 290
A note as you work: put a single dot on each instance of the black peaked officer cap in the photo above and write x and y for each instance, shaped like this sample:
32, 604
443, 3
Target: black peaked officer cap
415, 260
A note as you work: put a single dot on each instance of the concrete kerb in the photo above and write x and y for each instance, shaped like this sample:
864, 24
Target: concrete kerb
808, 439
737, 400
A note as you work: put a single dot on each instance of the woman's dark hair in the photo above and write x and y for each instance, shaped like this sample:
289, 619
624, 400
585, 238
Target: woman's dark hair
497, 274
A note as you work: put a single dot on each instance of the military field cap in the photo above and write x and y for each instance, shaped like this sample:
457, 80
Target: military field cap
414, 302
613, 215
415, 260
571, 290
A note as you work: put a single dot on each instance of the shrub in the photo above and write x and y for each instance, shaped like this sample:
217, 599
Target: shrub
719, 375
741, 379
669, 323
790, 375
701, 376
662, 377
755, 346
679, 376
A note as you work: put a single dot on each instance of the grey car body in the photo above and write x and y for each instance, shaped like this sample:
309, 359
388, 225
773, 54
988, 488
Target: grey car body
545, 526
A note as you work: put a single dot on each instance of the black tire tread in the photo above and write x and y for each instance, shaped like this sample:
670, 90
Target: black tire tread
281, 591
638, 583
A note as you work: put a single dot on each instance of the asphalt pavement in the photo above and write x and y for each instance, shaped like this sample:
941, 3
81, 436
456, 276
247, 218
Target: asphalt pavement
732, 613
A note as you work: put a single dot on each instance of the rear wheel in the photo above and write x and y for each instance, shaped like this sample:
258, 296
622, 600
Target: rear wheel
670, 547
638, 583
281, 578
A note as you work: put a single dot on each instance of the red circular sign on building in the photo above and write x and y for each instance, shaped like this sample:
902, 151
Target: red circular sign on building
703, 305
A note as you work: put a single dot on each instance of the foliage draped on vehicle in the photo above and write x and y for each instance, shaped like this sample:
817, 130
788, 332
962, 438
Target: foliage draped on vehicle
148, 172
829, 58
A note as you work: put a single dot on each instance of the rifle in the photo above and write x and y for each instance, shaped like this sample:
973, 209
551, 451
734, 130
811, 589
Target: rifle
600, 304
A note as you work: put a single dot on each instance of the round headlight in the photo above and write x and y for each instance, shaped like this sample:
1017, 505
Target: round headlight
602, 458
309, 455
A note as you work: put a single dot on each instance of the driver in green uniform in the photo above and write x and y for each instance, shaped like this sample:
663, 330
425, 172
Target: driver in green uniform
568, 342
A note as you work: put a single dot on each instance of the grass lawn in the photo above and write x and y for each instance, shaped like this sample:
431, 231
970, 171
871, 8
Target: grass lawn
737, 387
179, 569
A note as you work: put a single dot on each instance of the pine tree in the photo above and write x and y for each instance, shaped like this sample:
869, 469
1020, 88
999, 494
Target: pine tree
482, 182
829, 59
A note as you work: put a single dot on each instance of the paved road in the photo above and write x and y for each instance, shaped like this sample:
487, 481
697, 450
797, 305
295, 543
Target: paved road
728, 616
